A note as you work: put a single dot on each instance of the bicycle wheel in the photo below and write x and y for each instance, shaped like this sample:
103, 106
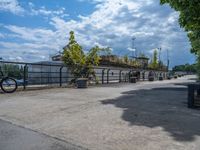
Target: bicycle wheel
8, 85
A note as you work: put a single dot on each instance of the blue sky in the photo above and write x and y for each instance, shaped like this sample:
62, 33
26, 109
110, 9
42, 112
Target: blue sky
36, 29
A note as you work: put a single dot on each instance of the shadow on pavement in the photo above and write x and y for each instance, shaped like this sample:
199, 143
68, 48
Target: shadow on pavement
160, 107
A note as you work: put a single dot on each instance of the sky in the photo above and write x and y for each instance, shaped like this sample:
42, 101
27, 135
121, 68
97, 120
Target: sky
35, 30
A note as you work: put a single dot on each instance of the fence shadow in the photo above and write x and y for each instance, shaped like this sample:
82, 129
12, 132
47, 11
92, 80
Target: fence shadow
160, 107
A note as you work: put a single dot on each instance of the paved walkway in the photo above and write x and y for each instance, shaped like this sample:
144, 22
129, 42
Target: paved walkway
13, 137
142, 116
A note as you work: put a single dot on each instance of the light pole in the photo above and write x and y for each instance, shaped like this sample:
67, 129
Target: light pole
159, 53
159, 57
167, 59
133, 46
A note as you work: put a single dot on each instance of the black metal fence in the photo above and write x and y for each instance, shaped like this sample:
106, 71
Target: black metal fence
57, 74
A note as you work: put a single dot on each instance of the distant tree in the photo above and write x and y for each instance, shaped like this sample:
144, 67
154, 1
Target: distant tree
126, 60
11, 70
154, 62
185, 68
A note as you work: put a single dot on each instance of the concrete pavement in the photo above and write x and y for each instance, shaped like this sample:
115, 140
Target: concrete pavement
142, 116
13, 137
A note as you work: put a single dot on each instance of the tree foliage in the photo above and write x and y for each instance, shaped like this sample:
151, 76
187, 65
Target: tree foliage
11, 70
126, 60
185, 68
79, 63
154, 61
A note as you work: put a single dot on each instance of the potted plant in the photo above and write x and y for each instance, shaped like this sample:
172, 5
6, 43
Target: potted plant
151, 76
160, 77
79, 63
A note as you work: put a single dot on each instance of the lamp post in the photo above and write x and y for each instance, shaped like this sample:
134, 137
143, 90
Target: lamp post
159, 53
167, 60
133, 47
159, 49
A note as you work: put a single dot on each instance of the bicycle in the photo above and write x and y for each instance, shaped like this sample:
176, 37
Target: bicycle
7, 84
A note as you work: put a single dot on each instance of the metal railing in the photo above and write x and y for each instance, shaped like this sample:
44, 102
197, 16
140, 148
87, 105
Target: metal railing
57, 74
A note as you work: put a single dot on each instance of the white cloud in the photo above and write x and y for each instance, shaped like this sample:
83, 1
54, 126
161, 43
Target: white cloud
30, 34
12, 6
43, 11
36, 44
1, 35
113, 24
115, 21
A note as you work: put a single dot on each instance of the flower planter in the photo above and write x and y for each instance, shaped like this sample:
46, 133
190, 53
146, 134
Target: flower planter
151, 78
82, 82
169, 78
133, 79
160, 78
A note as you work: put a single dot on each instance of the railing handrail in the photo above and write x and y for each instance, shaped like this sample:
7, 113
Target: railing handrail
26, 63
95, 67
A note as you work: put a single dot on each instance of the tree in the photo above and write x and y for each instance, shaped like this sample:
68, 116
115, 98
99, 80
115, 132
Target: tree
126, 60
11, 70
79, 63
185, 68
189, 19
154, 61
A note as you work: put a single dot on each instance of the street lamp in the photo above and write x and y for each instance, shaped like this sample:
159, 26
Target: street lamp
167, 59
159, 53
133, 46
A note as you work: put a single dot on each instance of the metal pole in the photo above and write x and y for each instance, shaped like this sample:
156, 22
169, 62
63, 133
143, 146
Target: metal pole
133, 47
167, 60
25, 71
103, 76
61, 76
129, 75
108, 76
120, 75
159, 53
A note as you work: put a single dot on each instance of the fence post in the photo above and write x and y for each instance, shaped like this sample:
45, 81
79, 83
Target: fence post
24, 76
61, 76
120, 76
129, 76
102, 76
108, 76
143, 75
